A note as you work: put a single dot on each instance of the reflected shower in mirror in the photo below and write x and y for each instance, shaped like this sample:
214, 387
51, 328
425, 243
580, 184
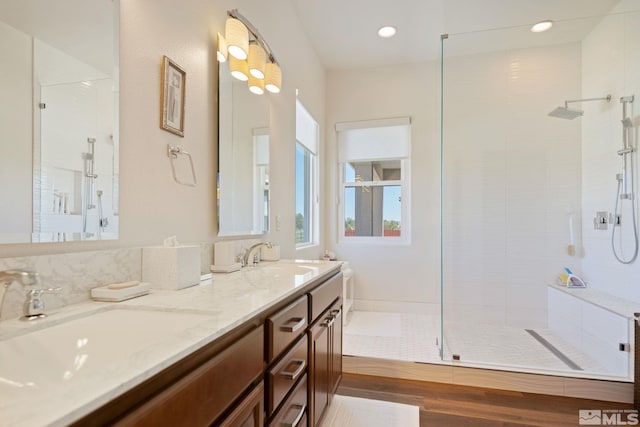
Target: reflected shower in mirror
243, 158
59, 162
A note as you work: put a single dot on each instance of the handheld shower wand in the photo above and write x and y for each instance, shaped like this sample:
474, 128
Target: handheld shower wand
626, 185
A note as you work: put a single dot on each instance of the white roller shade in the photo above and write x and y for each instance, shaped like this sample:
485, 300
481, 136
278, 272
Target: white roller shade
306, 129
375, 139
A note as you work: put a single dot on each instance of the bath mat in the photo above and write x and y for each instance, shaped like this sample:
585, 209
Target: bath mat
346, 411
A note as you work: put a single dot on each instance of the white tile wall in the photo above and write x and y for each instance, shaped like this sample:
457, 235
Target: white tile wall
611, 65
511, 176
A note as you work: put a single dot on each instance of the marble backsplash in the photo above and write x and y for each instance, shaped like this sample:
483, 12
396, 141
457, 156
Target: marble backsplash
78, 272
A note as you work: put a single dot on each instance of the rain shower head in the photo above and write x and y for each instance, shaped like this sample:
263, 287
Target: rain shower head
566, 113
569, 113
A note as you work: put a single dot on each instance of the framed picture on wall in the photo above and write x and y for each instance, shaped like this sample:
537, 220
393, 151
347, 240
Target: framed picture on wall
173, 93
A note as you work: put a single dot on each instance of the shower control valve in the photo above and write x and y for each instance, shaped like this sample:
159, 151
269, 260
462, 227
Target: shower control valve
601, 220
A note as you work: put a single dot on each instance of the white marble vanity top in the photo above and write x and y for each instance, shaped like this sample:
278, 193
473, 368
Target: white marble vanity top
62, 382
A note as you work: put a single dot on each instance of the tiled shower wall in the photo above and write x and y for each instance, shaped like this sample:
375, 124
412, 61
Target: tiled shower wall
511, 177
611, 65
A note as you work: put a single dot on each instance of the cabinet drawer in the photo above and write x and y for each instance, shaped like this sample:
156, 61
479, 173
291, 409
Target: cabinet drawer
249, 413
282, 377
293, 412
202, 395
324, 295
285, 326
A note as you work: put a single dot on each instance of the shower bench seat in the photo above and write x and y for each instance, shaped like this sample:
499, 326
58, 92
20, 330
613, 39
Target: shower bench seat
599, 324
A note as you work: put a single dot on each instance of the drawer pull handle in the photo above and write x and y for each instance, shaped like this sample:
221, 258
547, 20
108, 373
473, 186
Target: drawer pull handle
294, 324
335, 313
298, 418
295, 374
328, 321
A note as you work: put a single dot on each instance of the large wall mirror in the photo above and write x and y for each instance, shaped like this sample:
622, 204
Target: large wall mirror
243, 158
59, 120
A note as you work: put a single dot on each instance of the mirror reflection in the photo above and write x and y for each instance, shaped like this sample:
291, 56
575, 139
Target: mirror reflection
59, 115
243, 158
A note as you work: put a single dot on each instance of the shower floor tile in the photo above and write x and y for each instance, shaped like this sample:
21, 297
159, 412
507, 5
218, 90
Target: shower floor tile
412, 337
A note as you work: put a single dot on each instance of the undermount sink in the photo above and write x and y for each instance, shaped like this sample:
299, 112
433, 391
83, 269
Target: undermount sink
298, 268
67, 351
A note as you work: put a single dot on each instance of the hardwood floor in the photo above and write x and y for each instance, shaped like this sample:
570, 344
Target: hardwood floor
444, 405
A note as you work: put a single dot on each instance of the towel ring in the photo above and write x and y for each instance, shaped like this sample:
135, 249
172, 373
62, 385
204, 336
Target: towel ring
172, 153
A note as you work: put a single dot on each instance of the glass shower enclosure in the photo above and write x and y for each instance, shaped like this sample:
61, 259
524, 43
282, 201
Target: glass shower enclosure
529, 197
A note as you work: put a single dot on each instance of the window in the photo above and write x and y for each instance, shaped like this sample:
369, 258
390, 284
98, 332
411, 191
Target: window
374, 165
306, 177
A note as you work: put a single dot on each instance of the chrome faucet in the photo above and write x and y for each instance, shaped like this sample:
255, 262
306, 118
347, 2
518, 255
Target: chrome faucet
33, 307
247, 254
24, 277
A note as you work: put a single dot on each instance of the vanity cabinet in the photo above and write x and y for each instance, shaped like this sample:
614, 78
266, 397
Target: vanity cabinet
325, 347
278, 368
203, 395
250, 412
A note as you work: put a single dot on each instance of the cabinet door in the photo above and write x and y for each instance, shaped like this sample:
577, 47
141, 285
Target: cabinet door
250, 412
318, 370
335, 336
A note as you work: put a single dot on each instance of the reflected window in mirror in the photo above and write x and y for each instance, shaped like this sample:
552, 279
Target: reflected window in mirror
59, 153
306, 177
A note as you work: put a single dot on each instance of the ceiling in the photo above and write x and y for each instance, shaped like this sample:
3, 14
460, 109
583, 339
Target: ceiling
344, 32
59, 27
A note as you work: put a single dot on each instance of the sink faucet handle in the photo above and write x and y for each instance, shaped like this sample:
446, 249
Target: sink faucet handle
33, 307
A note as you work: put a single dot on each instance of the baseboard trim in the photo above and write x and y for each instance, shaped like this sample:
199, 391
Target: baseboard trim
613, 391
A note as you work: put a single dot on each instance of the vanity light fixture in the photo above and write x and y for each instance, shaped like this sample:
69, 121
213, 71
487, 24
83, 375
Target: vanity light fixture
541, 26
273, 77
238, 69
237, 36
387, 31
257, 60
256, 85
249, 55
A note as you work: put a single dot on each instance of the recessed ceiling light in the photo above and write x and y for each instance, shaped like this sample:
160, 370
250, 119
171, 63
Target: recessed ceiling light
541, 26
387, 31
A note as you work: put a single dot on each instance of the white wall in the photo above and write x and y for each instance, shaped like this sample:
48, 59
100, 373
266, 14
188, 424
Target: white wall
512, 174
15, 181
391, 276
611, 65
152, 205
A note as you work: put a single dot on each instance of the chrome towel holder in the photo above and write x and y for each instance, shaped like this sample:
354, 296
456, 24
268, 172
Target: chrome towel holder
172, 153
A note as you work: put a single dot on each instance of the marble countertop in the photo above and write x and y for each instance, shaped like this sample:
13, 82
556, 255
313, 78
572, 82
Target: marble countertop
609, 302
224, 303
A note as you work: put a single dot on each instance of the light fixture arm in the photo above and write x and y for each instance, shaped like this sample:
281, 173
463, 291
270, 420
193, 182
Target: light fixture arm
254, 32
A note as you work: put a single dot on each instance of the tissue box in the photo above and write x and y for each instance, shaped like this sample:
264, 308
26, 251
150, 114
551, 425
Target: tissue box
171, 268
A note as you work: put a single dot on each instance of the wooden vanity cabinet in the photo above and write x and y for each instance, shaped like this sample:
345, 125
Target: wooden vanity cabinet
249, 412
325, 347
279, 368
287, 357
293, 412
201, 397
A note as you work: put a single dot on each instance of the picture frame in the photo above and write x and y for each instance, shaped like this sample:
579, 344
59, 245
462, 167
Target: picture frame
172, 97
